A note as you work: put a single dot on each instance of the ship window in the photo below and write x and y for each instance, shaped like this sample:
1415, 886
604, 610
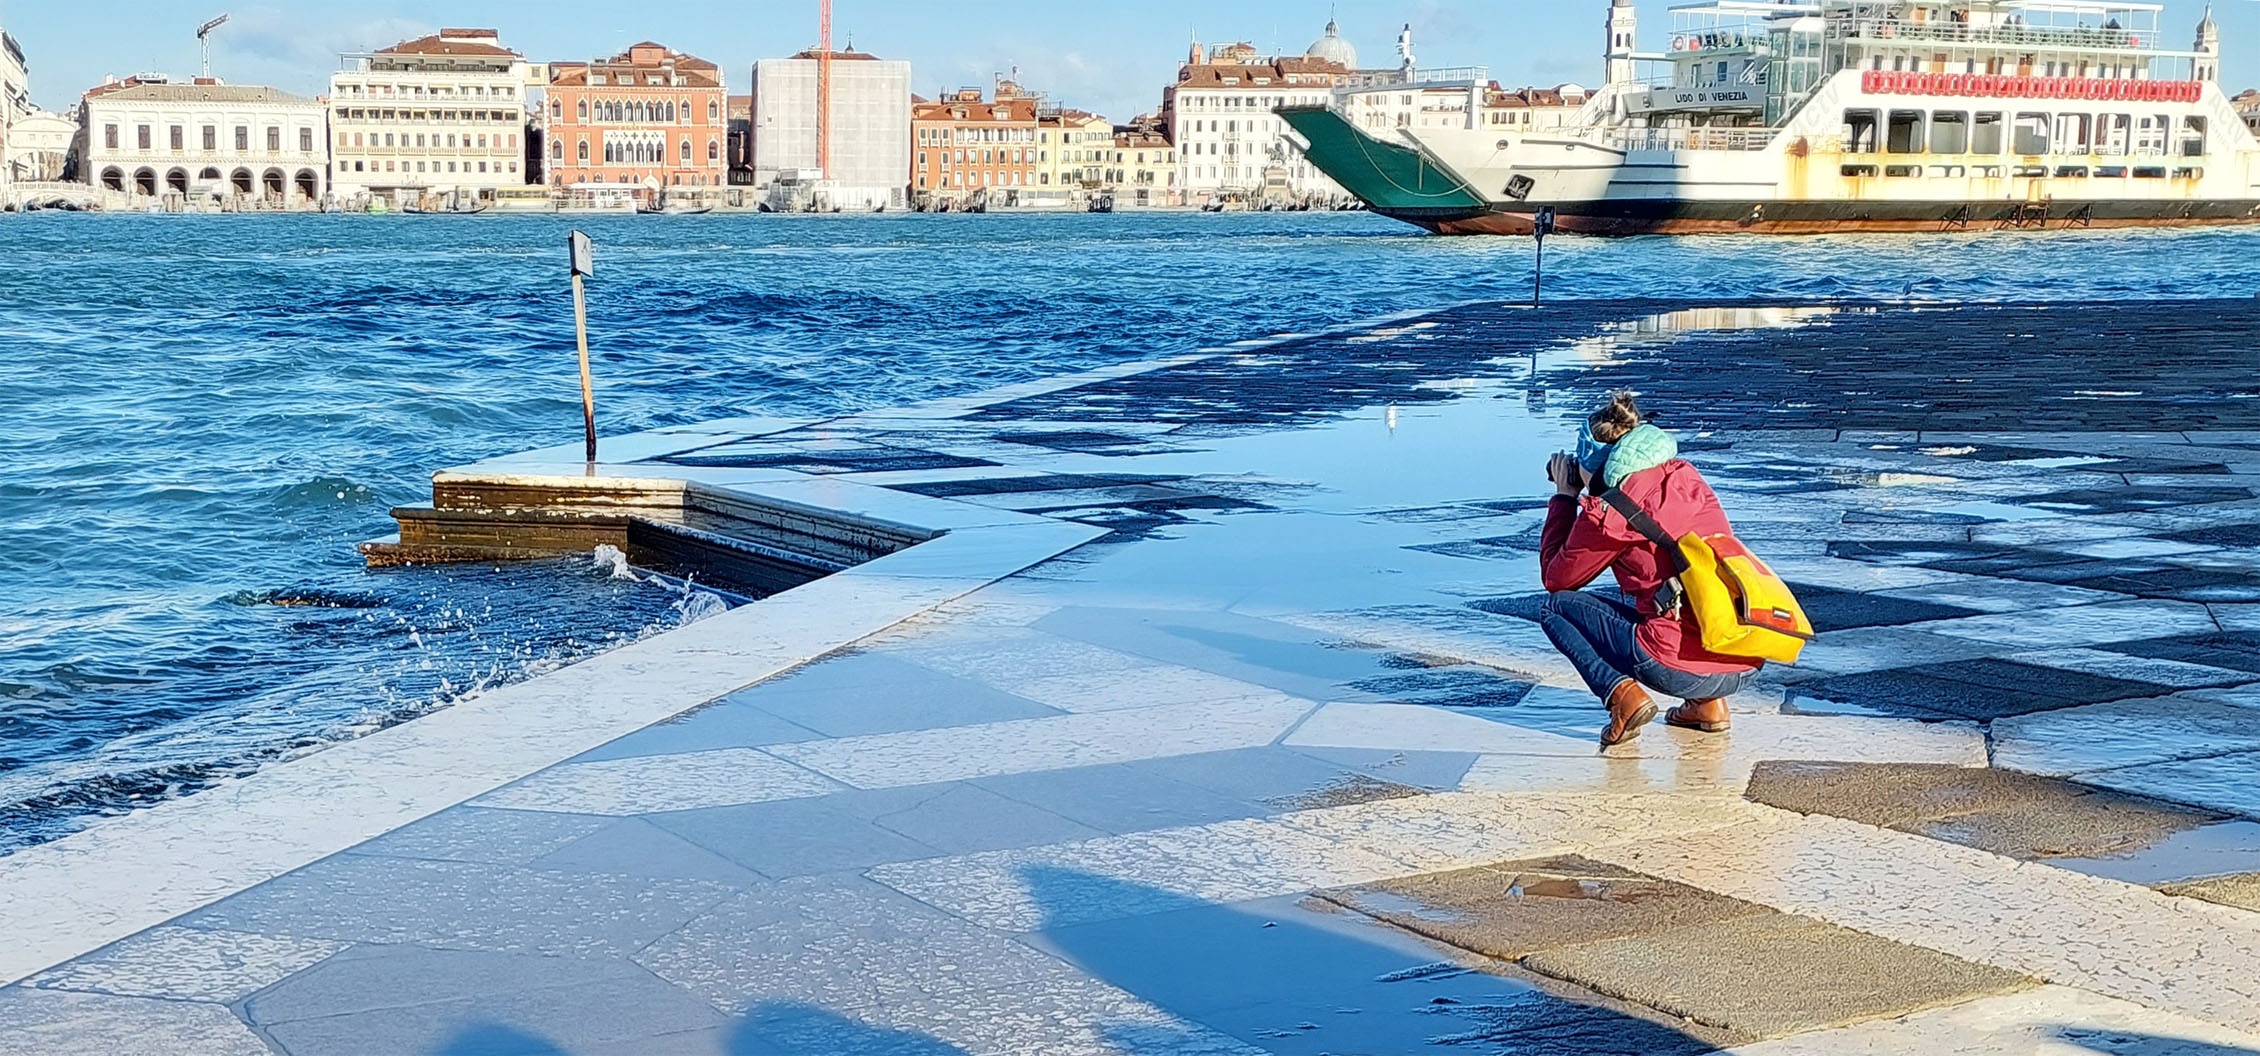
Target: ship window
2072, 133
2071, 171
2193, 137
1859, 170
2189, 174
1946, 172
1859, 131
1950, 132
1904, 135
1985, 134
1987, 172
2150, 135
2028, 172
2112, 132
2149, 173
1902, 170
2032, 134
2110, 172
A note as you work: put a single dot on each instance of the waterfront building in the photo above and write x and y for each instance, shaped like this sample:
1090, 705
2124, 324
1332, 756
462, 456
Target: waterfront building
1142, 168
1229, 143
203, 140
738, 148
869, 139
15, 98
647, 117
1471, 103
1072, 149
967, 147
2247, 106
38, 148
439, 115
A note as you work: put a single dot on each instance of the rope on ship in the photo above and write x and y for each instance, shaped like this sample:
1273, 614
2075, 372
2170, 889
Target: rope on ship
1463, 185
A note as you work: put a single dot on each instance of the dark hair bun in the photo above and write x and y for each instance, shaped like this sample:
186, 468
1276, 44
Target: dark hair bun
1615, 418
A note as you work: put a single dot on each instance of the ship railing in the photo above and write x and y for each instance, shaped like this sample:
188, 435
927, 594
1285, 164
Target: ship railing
2008, 36
1694, 138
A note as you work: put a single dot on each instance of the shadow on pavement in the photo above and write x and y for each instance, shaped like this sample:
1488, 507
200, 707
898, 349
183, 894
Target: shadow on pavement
1301, 980
2135, 1043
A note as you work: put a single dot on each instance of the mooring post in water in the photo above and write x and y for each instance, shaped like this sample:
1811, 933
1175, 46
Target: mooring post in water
583, 263
1541, 225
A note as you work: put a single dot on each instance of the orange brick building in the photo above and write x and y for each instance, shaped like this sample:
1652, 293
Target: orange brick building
963, 144
647, 116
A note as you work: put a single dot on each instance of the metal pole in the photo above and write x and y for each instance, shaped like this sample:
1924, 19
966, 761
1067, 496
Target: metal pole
1537, 272
588, 385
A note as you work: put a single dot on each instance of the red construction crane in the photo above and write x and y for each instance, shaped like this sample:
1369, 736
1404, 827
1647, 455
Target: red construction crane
824, 89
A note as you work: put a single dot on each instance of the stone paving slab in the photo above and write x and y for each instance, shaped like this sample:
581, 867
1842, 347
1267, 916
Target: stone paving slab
55, 1022
2055, 925
1773, 974
2044, 1021
189, 964
2241, 890
1513, 909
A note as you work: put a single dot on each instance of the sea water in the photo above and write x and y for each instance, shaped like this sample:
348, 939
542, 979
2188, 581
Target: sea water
200, 415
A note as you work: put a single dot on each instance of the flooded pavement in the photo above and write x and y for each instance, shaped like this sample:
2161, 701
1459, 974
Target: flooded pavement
1226, 727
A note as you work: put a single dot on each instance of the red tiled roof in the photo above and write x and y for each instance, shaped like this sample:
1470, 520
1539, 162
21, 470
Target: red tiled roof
1017, 111
698, 73
440, 44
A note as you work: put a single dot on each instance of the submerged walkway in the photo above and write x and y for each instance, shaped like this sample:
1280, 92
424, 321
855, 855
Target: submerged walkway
1220, 725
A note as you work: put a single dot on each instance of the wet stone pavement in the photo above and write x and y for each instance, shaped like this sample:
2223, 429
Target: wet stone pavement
1278, 761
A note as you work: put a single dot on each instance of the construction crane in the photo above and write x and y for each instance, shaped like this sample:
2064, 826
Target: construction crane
824, 88
204, 40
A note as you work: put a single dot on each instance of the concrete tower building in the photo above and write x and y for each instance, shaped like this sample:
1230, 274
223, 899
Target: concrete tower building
870, 119
1623, 24
2208, 65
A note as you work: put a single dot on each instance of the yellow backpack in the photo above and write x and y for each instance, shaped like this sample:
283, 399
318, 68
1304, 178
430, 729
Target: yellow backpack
1740, 606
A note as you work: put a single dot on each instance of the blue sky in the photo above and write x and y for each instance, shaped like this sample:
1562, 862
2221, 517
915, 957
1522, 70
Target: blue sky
1109, 57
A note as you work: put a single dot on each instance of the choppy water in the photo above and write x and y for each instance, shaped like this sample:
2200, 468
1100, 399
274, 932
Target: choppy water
200, 415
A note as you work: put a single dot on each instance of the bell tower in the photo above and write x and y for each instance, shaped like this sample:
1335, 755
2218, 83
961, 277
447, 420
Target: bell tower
2208, 64
1623, 24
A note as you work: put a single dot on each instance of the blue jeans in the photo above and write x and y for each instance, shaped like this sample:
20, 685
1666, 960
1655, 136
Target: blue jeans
1597, 635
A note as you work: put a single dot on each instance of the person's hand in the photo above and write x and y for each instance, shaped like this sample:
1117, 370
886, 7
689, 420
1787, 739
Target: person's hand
1567, 475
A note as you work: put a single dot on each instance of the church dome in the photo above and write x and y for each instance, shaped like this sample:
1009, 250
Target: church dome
1333, 48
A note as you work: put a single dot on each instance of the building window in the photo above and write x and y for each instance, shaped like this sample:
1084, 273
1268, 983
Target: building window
306, 140
582, 109
584, 152
686, 153
713, 152
557, 150
211, 138
713, 111
274, 139
242, 138
141, 136
175, 138
110, 136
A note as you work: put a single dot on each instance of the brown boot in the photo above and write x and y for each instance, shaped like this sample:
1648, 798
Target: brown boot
1629, 709
1709, 716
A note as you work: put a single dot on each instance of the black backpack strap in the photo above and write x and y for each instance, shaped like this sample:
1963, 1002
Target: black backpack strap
1644, 524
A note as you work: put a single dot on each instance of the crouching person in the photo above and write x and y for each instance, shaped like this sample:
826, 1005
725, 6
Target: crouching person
1653, 644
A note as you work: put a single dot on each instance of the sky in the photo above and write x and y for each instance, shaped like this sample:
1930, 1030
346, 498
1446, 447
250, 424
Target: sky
1109, 57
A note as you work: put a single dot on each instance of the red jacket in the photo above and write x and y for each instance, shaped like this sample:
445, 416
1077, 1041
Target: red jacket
1584, 537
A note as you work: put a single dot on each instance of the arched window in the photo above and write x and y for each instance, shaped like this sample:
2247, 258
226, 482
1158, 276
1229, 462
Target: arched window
713, 152
686, 152
582, 108
584, 152
557, 150
713, 111
557, 110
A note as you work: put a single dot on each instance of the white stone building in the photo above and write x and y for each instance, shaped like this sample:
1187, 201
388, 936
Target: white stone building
438, 116
38, 148
870, 126
1230, 145
256, 145
15, 98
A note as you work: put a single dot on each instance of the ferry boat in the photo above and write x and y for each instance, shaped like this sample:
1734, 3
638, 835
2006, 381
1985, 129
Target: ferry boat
1842, 115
